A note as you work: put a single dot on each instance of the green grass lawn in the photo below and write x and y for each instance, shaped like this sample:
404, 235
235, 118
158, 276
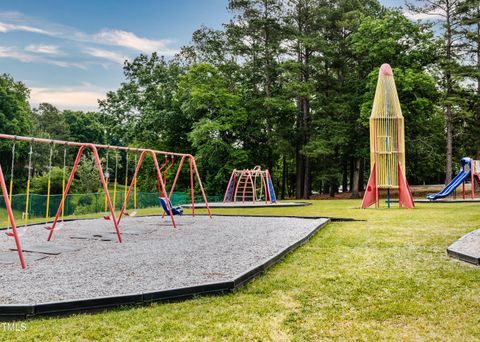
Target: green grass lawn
386, 278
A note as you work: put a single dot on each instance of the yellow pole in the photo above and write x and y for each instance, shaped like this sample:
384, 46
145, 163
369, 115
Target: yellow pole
27, 197
106, 181
135, 187
48, 200
47, 207
126, 181
63, 179
10, 192
115, 182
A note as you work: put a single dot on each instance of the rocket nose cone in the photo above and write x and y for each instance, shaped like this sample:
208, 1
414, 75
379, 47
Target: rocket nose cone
386, 70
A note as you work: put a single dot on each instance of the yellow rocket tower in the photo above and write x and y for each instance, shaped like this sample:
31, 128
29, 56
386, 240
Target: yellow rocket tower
387, 144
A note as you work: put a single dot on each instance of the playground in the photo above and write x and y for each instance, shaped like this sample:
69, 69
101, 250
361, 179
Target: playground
352, 278
128, 256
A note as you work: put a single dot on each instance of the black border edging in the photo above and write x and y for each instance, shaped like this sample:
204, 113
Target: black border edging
463, 257
331, 219
24, 311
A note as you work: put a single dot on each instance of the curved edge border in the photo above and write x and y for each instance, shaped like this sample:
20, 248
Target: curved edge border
9, 312
463, 257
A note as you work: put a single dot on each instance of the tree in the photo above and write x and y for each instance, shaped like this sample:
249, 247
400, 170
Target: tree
15, 114
85, 126
220, 122
449, 20
50, 122
410, 49
469, 11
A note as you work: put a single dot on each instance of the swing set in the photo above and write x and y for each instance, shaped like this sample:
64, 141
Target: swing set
17, 232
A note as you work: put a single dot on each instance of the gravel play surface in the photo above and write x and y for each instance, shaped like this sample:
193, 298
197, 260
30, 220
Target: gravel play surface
153, 256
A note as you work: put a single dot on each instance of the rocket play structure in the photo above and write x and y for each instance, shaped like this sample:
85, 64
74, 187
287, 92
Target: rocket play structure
387, 144
250, 186
470, 171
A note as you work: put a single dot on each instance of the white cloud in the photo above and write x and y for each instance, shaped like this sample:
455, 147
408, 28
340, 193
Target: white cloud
8, 52
107, 54
432, 15
132, 41
14, 21
83, 97
26, 57
44, 49
6, 27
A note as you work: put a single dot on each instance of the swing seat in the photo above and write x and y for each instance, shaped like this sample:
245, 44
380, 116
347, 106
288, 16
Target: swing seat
106, 217
57, 227
20, 232
175, 210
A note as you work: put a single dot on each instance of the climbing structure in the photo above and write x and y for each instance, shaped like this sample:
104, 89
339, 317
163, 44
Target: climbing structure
250, 185
387, 144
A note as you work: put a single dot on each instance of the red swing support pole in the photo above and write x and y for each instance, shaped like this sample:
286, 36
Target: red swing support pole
159, 179
69, 183
12, 219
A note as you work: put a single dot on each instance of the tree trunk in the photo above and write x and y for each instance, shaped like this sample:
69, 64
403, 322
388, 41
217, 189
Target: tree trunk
299, 175
478, 83
333, 187
448, 119
284, 178
362, 174
449, 92
306, 139
356, 179
345, 177
350, 183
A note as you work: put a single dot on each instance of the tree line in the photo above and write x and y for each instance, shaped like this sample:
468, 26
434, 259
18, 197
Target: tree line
289, 85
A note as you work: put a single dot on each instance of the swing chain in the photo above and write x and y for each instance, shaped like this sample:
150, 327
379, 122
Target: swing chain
50, 159
13, 158
30, 153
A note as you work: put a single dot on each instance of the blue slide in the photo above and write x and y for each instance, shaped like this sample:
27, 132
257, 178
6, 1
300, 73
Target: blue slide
462, 176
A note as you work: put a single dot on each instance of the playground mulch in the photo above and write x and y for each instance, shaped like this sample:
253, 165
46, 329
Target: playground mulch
154, 257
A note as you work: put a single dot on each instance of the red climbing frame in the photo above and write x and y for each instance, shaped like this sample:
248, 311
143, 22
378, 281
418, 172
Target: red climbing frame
245, 181
94, 148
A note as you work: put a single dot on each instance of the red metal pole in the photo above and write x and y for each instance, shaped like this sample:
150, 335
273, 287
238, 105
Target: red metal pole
228, 185
175, 180
192, 187
159, 176
201, 186
79, 144
245, 186
254, 191
67, 188
463, 190
266, 187
161, 168
238, 186
12, 219
105, 188
132, 184
472, 178
104, 184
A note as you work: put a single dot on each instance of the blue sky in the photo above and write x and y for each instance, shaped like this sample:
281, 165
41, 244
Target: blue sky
69, 53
